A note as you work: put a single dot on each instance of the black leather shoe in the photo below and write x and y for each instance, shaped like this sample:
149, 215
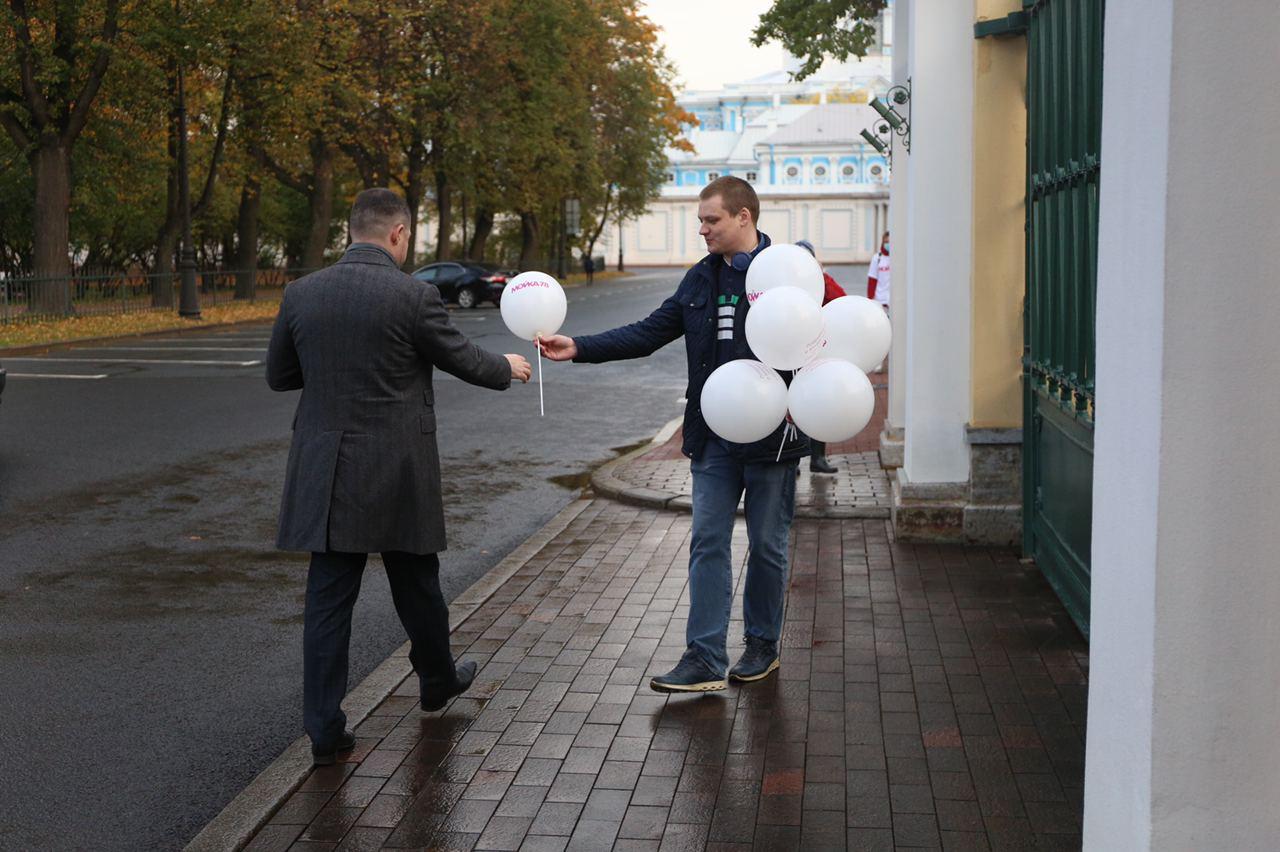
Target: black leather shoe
327, 757
818, 458
689, 675
819, 464
463, 676
757, 661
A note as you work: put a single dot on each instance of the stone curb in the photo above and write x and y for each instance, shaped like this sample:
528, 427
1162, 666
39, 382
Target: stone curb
606, 483
240, 820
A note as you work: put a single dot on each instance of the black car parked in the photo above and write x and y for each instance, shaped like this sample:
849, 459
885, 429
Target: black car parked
464, 282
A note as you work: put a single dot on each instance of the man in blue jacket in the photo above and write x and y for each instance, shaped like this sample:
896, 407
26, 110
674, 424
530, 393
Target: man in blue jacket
709, 310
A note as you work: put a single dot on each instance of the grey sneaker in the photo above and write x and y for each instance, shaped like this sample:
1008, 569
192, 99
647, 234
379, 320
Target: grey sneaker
757, 661
689, 675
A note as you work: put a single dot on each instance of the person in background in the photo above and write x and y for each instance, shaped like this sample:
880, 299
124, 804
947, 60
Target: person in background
878, 274
589, 267
831, 290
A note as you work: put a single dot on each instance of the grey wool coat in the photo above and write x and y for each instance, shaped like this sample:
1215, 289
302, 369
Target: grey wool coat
361, 339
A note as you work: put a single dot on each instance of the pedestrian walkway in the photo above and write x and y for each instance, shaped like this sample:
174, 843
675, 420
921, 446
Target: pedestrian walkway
929, 696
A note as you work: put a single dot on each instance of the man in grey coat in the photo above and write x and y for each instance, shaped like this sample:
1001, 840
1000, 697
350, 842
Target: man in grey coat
361, 339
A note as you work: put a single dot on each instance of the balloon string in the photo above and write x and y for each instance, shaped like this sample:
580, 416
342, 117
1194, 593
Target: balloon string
542, 408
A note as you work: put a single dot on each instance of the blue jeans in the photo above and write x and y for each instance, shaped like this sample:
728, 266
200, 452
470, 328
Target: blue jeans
718, 483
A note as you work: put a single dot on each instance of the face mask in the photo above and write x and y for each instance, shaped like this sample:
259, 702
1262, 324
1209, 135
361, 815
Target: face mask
886, 248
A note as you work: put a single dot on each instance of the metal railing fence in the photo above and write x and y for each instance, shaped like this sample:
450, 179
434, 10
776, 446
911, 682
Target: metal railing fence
33, 299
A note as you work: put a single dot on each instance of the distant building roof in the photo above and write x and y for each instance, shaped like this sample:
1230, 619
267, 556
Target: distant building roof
825, 124
709, 146
736, 147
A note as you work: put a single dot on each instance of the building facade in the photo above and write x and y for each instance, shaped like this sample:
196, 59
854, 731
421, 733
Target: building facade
798, 143
1118, 436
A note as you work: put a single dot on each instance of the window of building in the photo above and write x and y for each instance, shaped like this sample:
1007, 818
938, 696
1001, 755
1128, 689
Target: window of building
876, 170
792, 171
847, 171
671, 177
751, 177
712, 176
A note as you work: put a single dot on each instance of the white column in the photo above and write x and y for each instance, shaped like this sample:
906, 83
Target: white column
899, 182
1184, 697
939, 241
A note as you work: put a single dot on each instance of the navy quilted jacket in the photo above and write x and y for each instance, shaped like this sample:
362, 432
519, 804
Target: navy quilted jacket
689, 312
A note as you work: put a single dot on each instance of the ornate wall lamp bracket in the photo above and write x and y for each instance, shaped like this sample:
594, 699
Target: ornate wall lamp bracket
899, 124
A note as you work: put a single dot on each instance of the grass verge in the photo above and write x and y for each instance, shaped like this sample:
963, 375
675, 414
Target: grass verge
126, 325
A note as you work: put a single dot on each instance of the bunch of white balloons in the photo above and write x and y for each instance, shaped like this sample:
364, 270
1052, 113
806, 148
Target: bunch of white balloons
533, 305
788, 328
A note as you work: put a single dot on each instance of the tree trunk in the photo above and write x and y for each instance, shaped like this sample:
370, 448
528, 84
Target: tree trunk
528, 240
604, 218
444, 208
413, 192
484, 227
51, 164
247, 238
170, 229
162, 279
321, 204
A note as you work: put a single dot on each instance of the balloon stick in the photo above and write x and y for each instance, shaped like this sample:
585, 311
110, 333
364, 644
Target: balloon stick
786, 430
541, 405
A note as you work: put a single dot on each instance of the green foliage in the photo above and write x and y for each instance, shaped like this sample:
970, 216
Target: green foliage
816, 29
500, 106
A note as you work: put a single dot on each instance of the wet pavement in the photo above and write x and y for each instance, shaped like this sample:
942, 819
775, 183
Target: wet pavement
929, 697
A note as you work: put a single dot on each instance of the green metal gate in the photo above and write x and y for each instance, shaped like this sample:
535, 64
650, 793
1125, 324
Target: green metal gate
1064, 131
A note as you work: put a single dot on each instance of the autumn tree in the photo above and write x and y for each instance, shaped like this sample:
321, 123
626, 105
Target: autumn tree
635, 120
300, 102
816, 29
49, 81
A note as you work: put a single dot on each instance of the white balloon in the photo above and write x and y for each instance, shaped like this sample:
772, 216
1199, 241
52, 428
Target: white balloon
858, 331
831, 400
784, 328
784, 265
533, 305
744, 401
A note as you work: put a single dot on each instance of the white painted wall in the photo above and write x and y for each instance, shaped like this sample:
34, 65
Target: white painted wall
1184, 705
900, 179
939, 241
839, 226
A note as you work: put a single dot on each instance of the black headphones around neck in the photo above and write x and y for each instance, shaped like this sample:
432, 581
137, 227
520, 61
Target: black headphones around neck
741, 261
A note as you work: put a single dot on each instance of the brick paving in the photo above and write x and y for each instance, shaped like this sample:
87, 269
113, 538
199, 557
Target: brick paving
929, 697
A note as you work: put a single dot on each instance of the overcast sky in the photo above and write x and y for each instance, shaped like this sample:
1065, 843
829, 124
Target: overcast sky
710, 40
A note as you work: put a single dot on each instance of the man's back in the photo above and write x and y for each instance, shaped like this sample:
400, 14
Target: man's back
361, 339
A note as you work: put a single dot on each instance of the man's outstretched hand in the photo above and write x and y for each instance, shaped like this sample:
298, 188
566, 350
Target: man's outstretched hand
520, 368
557, 347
